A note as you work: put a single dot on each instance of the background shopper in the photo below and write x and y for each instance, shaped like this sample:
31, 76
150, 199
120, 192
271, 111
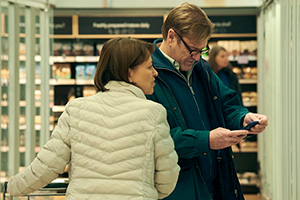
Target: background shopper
204, 115
117, 143
219, 63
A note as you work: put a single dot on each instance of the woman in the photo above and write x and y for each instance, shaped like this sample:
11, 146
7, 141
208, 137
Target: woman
219, 63
116, 142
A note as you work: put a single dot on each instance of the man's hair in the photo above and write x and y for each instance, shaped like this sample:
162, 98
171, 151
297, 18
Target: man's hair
190, 21
117, 56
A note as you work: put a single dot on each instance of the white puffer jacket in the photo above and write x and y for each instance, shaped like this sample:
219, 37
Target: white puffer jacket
118, 146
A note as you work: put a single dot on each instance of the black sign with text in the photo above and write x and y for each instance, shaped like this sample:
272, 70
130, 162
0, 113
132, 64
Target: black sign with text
234, 24
62, 25
120, 25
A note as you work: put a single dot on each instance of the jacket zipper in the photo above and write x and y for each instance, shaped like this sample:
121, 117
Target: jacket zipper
191, 89
198, 168
174, 100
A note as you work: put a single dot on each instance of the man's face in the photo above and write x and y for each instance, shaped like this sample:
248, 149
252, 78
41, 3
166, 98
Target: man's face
186, 52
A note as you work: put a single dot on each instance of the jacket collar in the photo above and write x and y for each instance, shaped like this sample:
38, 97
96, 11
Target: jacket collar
159, 59
122, 86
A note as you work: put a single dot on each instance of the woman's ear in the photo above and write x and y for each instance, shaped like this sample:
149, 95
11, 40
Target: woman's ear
130, 75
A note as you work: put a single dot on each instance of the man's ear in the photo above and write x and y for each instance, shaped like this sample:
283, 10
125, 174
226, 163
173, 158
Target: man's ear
130, 75
171, 37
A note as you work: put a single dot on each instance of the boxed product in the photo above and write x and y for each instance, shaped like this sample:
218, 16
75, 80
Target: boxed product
88, 91
88, 50
80, 71
67, 49
78, 49
61, 71
90, 71
57, 49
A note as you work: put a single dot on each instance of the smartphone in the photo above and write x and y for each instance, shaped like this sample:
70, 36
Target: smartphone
250, 125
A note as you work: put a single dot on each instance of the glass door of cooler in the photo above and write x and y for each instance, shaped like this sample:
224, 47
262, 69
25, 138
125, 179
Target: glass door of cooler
25, 92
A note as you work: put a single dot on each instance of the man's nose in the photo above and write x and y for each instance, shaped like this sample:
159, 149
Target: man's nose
196, 57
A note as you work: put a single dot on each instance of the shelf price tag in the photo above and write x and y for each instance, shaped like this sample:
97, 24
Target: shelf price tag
242, 60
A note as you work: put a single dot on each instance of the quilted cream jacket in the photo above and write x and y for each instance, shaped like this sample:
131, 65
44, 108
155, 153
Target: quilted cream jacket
118, 146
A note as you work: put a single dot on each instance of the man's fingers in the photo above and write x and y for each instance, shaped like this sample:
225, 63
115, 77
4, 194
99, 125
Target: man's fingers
238, 133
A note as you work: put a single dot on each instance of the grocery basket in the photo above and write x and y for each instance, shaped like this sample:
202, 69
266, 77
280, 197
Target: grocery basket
56, 188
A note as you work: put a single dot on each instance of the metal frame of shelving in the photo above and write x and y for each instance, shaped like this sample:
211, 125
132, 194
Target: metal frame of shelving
14, 89
30, 110
29, 9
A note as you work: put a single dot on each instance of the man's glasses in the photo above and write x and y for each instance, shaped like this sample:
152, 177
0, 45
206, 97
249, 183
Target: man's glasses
193, 52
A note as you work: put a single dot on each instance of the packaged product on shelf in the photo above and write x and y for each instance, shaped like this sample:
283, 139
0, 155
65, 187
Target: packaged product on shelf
22, 71
248, 47
57, 48
22, 119
90, 71
37, 94
78, 49
67, 49
88, 91
61, 71
249, 98
237, 71
22, 49
4, 73
37, 70
234, 47
247, 72
80, 71
88, 50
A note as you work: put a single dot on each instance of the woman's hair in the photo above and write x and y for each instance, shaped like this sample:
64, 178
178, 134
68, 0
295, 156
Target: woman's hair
213, 52
117, 56
190, 21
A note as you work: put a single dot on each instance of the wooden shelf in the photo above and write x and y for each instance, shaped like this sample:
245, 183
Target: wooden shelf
248, 81
65, 59
108, 36
250, 104
72, 82
23, 126
4, 81
22, 58
22, 104
58, 108
21, 149
234, 35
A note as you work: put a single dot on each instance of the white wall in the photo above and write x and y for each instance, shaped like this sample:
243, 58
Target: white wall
279, 98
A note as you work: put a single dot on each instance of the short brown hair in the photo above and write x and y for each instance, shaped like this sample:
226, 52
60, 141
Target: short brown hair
117, 56
190, 21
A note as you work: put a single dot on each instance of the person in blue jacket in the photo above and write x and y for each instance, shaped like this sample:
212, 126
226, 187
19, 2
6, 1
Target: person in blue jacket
204, 115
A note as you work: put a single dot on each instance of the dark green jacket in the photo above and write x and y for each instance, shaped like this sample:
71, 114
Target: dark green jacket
193, 145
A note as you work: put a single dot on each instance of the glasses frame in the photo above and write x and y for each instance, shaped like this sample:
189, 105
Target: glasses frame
193, 52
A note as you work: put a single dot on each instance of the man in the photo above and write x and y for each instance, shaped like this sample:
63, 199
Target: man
205, 116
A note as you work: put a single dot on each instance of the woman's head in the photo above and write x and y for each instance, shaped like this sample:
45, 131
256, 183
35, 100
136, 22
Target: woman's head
218, 58
119, 58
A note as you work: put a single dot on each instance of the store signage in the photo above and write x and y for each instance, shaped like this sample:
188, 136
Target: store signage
62, 25
234, 24
120, 25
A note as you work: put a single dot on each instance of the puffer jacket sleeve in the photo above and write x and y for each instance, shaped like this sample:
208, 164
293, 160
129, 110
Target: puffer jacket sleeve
49, 163
166, 168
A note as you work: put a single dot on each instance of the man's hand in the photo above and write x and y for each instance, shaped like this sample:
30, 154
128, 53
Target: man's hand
221, 138
258, 128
